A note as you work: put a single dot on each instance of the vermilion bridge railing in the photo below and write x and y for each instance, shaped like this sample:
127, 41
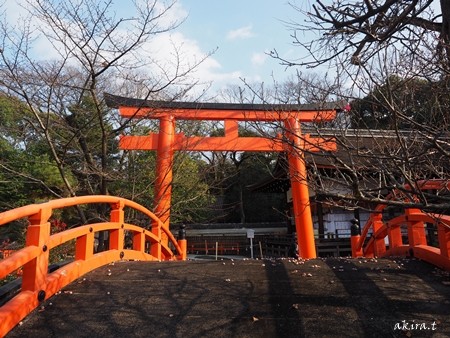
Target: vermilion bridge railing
38, 284
405, 235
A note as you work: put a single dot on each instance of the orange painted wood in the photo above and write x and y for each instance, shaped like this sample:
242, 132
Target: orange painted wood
18, 259
356, 252
117, 236
224, 143
444, 237
379, 243
416, 229
227, 114
300, 193
38, 233
395, 236
84, 247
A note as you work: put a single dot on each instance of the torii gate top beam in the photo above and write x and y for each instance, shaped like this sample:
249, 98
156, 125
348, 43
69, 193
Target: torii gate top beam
138, 108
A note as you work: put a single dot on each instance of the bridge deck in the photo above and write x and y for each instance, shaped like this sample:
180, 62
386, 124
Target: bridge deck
244, 298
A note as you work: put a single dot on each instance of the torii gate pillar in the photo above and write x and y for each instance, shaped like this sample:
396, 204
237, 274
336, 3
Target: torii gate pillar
163, 180
300, 193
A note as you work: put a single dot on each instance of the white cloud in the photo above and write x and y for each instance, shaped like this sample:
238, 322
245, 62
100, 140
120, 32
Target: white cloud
241, 33
14, 10
163, 55
176, 52
258, 59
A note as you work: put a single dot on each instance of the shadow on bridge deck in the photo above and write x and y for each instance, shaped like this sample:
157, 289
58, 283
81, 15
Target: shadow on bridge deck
250, 298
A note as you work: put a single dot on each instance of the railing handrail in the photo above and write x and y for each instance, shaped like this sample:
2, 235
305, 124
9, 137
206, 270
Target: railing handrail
31, 209
414, 220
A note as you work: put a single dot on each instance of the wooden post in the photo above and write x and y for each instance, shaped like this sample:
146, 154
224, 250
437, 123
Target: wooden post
416, 230
84, 246
163, 183
35, 271
395, 237
117, 236
182, 242
444, 239
379, 247
300, 193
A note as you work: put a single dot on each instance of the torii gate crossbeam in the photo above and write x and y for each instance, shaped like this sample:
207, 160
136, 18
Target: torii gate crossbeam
167, 141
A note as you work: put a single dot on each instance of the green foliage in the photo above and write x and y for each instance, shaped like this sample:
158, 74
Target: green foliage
29, 174
14, 124
405, 104
136, 174
191, 196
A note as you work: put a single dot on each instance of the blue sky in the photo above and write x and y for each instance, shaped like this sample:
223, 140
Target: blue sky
244, 31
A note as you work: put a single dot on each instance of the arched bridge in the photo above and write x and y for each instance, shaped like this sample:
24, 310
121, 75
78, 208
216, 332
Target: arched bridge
405, 235
264, 291
38, 284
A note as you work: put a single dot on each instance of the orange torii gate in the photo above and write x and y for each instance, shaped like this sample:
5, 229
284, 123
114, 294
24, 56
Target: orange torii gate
167, 141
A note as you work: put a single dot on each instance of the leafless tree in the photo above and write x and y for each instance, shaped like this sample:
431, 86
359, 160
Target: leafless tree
390, 60
88, 49
353, 32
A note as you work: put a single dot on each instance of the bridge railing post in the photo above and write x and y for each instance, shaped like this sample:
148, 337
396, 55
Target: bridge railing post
38, 233
182, 242
379, 244
117, 236
156, 248
355, 238
139, 241
444, 239
84, 246
416, 230
395, 236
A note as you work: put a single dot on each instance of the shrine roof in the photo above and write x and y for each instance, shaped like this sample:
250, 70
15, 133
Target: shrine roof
114, 101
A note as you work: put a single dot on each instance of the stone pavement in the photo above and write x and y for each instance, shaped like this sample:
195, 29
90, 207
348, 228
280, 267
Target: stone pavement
250, 298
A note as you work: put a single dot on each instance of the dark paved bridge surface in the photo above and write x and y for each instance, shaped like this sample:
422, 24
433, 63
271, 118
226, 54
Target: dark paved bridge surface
250, 298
